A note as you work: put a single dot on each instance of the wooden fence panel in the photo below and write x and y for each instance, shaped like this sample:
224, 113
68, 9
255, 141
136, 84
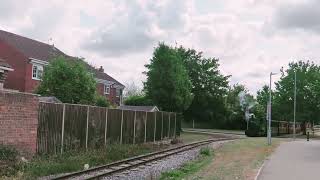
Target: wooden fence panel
96, 127
140, 126
158, 125
93, 127
75, 127
49, 128
165, 125
127, 127
172, 125
114, 126
150, 127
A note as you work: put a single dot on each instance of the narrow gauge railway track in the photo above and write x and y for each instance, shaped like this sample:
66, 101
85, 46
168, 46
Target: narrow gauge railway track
122, 165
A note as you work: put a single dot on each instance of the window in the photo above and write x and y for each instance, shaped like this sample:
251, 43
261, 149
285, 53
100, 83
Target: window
118, 92
37, 71
106, 89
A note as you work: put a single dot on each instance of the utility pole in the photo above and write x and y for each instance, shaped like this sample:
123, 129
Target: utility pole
269, 108
295, 105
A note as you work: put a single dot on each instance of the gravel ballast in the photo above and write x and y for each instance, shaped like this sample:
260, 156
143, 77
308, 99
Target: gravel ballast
153, 170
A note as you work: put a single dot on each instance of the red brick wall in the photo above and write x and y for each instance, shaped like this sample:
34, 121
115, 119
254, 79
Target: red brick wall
19, 120
111, 97
16, 78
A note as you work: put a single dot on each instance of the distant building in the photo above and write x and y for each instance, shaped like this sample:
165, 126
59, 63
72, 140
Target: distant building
139, 108
29, 57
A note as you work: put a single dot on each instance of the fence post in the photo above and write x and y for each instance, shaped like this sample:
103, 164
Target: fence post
87, 127
134, 126
175, 125
161, 125
169, 126
155, 127
145, 128
62, 129
121, 126
106, 128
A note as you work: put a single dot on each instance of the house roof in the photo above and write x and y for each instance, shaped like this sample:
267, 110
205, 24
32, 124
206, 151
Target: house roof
42, 51
139, 108
29, 47
49, 99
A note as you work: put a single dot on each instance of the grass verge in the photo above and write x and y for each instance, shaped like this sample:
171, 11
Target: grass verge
75, 160
239, 159
204, 159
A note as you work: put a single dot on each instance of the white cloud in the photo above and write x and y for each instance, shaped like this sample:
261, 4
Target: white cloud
250, 37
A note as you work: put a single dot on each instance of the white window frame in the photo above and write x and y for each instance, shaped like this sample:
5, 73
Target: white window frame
35, 75
107, 89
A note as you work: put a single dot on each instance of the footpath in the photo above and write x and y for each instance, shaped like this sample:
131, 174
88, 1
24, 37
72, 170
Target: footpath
294, 160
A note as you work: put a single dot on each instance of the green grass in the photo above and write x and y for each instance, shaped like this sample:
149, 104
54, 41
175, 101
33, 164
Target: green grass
75, 160
187, 137
241, 132
204, 159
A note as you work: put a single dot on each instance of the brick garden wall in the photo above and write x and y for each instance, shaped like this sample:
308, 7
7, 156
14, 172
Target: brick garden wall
19, 120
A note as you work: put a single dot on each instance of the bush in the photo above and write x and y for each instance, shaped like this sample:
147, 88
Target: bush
9, 164
138, 100
205, 151
102, 101
8, 153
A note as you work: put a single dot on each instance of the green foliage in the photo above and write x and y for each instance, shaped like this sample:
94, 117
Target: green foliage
168, 84
308, 94
69, 81
208, 87
102, 101
191, 167
138, 100
7, 153
206, 151
75, 160
8, 161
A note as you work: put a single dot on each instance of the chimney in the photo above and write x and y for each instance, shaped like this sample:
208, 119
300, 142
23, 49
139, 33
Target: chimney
101, 69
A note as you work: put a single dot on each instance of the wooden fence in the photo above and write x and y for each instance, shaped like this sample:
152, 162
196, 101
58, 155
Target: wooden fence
68, 126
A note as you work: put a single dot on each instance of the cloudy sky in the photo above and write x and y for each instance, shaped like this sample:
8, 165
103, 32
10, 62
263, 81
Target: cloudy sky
250, 37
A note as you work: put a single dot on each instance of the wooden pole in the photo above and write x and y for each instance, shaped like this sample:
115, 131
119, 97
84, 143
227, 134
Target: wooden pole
62, 129
155, 127
134, 127
106, 128
161, 125
175, 125
169, 126
121, 127
145, 128
87, 127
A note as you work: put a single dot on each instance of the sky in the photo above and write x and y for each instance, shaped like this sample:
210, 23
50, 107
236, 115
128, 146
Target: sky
251, 38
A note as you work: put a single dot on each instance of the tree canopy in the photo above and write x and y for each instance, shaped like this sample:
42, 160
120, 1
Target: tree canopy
168, 84
69, 81
208, 86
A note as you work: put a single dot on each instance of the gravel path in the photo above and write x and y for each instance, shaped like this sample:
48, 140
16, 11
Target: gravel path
154, 170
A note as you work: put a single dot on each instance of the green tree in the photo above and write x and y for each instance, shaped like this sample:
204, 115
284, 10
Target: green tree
138, 100
235, 112
308, 78
208, 87
69, 81
168, 84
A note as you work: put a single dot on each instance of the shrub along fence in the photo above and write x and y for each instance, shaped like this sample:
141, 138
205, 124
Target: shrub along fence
71, 126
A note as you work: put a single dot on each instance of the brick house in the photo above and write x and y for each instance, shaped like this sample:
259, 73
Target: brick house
28, 57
